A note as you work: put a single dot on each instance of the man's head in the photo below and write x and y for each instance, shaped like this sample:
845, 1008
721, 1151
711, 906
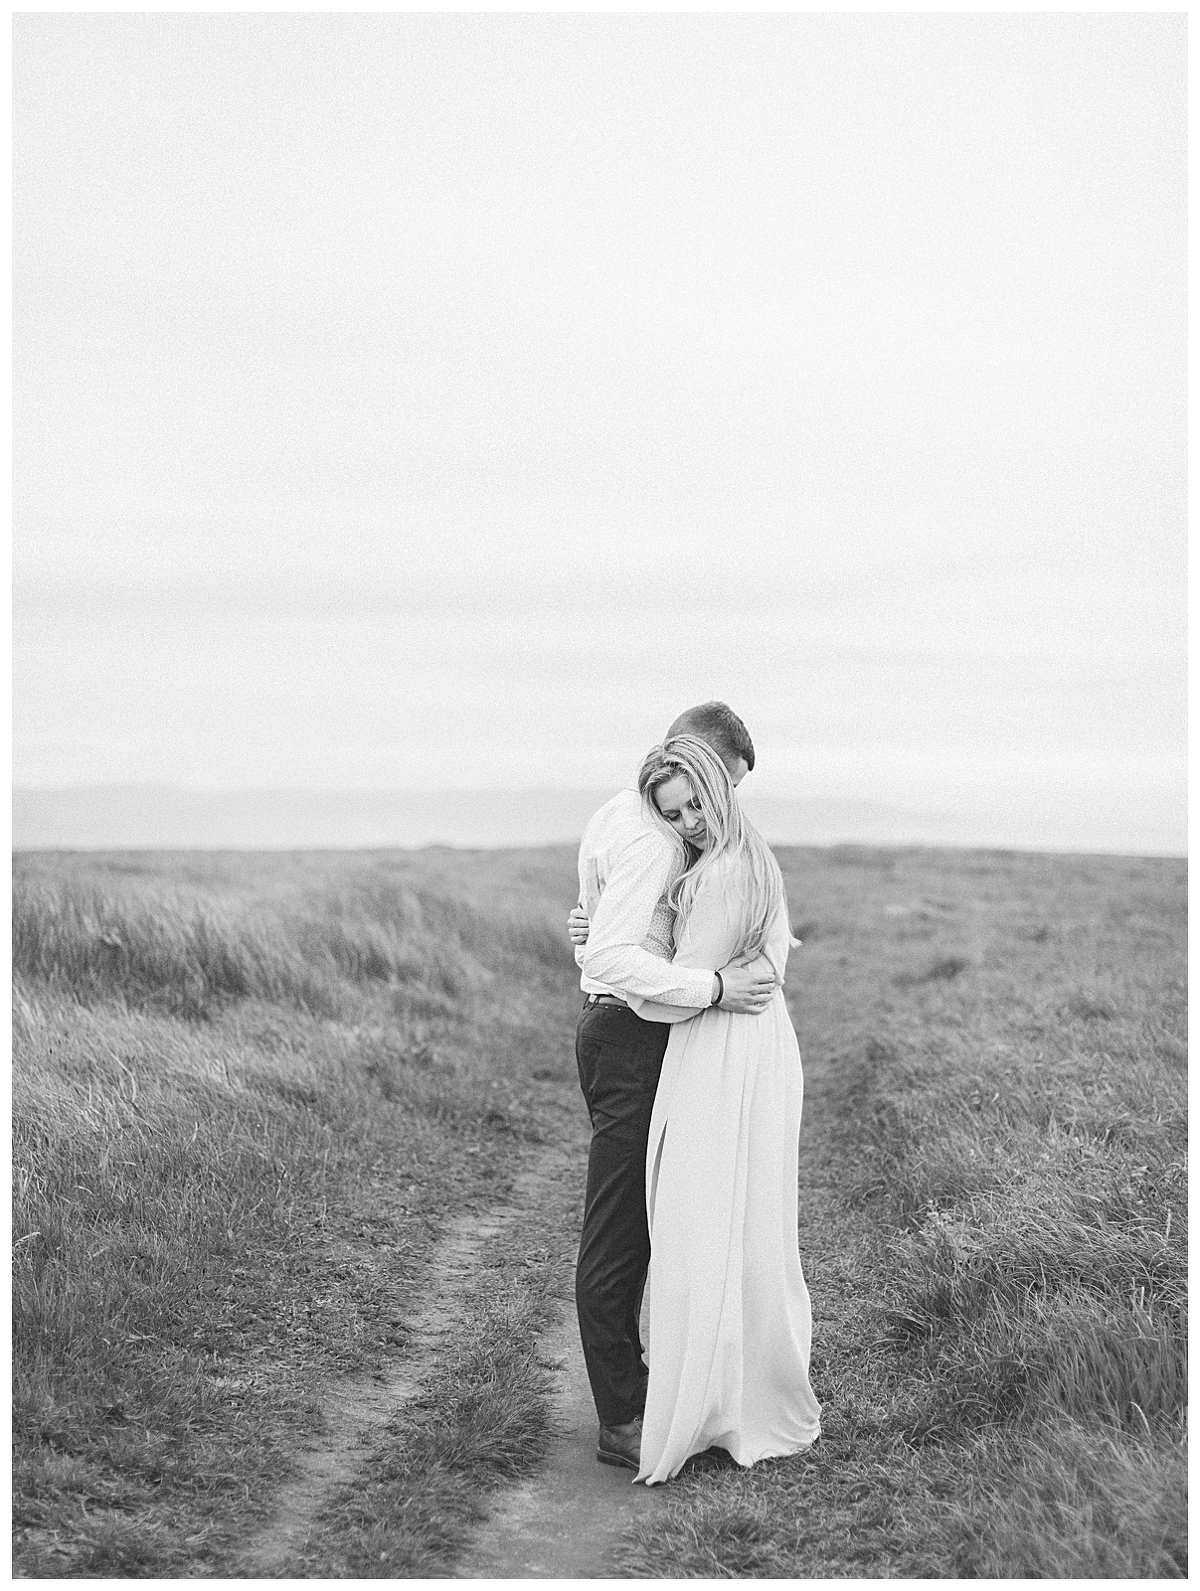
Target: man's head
723, 730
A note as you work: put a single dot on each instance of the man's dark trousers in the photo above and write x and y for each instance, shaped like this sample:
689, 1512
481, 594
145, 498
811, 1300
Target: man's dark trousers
619, 1058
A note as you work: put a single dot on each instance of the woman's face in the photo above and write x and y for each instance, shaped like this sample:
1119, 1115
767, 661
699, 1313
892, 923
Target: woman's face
676, 801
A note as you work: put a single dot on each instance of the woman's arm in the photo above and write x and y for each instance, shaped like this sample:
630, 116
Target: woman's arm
779, 943
745, 988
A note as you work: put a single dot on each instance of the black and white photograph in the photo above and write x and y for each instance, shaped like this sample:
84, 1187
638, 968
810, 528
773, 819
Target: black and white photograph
599, 819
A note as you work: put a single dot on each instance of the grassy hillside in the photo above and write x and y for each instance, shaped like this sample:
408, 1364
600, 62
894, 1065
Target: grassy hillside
250, 1092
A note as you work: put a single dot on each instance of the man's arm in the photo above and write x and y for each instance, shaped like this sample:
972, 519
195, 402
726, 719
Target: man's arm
745, 989
614, 953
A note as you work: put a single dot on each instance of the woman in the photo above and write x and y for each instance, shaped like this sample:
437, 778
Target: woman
729, 1315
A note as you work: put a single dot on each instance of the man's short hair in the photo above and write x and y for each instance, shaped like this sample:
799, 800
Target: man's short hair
721, 727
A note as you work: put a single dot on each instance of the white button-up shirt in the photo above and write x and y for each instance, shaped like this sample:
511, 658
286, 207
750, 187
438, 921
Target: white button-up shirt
625, 865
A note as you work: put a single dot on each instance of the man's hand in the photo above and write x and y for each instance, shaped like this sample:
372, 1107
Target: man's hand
577, 926
748, 990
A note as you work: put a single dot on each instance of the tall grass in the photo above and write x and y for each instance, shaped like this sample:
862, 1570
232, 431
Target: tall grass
157, 950
241, 1114
1022, 1127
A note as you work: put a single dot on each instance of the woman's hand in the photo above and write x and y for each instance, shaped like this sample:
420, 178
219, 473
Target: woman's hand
577, 926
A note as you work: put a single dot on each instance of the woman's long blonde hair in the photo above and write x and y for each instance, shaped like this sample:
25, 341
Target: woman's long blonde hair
730, 833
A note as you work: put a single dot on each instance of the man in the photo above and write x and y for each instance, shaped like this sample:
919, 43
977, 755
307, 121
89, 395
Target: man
625, 866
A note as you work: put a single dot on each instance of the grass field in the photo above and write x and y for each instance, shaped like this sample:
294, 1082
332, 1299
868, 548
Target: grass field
251, 1091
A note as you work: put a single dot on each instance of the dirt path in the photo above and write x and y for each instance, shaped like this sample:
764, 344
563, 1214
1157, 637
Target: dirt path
564, 1522
358, 1406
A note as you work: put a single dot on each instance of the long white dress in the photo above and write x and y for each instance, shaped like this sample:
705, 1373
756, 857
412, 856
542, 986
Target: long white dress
730, 1323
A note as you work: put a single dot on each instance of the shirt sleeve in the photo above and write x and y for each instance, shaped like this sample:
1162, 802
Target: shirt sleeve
615, 953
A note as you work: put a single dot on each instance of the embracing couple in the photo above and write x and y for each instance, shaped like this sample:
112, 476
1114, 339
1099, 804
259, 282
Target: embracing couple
691, 1073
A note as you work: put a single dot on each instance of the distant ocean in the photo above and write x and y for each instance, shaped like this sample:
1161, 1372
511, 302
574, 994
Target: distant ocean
151, 817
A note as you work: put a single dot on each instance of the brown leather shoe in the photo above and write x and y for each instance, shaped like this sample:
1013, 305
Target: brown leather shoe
621, 1444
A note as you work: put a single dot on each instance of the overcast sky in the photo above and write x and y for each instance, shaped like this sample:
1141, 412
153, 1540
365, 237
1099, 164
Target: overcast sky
449, 399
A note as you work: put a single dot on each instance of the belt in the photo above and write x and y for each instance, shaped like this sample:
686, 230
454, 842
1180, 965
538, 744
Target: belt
606, 999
